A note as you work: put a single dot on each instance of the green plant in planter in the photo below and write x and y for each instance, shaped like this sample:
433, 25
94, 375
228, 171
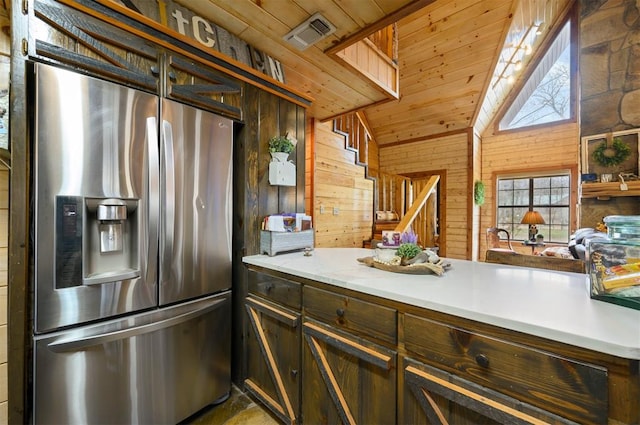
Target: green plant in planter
407, 251
281, 144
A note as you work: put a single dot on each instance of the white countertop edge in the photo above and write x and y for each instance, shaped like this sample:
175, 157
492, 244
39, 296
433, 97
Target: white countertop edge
624, 346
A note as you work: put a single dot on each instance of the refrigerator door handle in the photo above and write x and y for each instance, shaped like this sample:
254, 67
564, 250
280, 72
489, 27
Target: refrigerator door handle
82, 343
229, 210
110, 277
154, 190
170, 187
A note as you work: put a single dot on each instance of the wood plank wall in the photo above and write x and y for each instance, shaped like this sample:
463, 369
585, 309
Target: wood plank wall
4, 249
266, 115
552, 148
309, 154
339, 183
5, 50
450, 153
475, 209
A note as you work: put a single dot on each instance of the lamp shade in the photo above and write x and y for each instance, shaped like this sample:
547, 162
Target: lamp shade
532, 217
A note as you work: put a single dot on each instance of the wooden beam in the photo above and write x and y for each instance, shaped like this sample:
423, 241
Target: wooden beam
359, 108
424, 138
404, 11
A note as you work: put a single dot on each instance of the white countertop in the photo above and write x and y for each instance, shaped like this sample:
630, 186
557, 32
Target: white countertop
544, 303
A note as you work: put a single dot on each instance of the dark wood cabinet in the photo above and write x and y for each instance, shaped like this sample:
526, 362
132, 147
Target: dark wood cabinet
346, 379
366, 360
272, 349
497, 378
432, 396
349, 376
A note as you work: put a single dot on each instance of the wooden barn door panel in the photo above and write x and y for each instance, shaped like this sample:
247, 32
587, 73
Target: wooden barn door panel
347, 380
432, 396
273, 358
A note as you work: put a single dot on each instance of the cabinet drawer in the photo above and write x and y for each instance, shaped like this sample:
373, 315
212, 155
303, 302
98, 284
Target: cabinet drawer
281, 291
351, 314
569, 388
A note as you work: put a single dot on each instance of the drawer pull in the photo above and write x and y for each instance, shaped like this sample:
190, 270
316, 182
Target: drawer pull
340, 312
482, 360
294, 372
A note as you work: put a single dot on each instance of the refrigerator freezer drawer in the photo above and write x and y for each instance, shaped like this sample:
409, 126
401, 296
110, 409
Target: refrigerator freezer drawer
156, 367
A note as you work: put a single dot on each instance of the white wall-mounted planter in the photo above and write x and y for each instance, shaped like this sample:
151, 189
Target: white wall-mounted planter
281, 171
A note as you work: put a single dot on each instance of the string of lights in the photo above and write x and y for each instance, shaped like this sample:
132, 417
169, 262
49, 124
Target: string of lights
520, 50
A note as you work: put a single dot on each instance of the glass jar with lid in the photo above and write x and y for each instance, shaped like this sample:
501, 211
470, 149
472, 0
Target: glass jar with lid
613, 263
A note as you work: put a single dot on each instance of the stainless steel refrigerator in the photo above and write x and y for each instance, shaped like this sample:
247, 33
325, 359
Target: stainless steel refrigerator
131, 232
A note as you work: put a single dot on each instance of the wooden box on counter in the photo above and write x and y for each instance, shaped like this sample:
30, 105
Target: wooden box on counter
272, 243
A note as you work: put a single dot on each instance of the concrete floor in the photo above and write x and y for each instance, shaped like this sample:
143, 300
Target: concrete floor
238, 409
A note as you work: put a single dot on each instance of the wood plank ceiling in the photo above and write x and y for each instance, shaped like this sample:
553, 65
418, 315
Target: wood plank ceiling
450, 53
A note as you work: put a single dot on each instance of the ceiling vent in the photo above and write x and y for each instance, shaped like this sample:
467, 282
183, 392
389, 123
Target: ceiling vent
309, 32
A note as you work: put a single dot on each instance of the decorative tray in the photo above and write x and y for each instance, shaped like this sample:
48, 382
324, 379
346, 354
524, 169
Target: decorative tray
420, 268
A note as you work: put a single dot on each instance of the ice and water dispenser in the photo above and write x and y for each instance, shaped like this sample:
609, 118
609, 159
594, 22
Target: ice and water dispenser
97, 240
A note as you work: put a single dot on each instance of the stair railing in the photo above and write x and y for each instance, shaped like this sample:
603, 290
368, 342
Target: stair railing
420, 206
356, 134
391, 191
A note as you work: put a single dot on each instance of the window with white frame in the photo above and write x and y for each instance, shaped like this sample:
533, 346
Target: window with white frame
546, 96
550, 195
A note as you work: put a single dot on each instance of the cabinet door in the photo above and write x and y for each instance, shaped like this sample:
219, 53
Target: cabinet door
556, 383
347, 379
273, 358
432, 396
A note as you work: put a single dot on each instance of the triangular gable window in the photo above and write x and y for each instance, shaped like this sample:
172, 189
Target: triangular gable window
547, 95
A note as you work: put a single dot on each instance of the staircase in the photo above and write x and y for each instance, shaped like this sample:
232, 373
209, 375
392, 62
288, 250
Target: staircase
396, 207
357, 136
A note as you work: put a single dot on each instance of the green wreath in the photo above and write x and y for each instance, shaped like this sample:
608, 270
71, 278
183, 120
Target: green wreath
478, 192
608, 156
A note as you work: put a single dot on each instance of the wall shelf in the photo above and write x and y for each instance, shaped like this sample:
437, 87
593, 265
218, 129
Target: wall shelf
604, 191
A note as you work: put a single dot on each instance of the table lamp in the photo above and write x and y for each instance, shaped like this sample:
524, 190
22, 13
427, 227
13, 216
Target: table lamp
532, 218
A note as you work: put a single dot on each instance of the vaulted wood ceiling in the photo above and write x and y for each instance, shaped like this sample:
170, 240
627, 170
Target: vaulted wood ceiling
450, 53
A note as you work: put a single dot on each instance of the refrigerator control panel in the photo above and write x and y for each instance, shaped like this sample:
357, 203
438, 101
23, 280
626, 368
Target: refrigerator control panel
69, 211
